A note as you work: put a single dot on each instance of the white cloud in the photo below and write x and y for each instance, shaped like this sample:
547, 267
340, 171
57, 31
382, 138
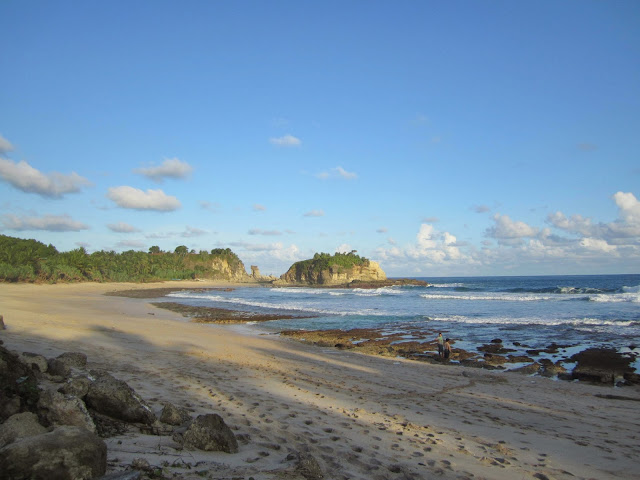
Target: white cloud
129, 197
122, 227
193, 232
508, 232
430, 248
624, 230
314, 213
337, 172
382, 230
170, 168
51, 223
286, 141
597, 245
259, 208
629, 207
344, 248
5, 146
258, 231
481, 209
30, 180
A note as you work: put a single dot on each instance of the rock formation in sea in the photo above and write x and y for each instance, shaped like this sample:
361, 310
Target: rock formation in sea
327, 270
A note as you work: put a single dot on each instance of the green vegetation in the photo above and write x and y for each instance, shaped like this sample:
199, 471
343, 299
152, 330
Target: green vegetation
323, 261
32, 261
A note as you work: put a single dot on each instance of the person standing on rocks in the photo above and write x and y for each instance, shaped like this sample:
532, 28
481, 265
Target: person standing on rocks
440, 345
447, 349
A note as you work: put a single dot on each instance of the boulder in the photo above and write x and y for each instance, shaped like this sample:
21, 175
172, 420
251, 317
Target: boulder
2, 326
77, 385
114, 398
67, 453
210, 433
20, 425
308, 467
632, 378
19, 383
173, 415
527, 369
62, 364
56, 409
35, 361
550, 369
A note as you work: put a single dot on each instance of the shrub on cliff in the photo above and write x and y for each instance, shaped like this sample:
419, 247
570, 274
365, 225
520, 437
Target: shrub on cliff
323, 261
29, 261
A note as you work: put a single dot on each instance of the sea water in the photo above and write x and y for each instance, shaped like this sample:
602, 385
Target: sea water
573, 311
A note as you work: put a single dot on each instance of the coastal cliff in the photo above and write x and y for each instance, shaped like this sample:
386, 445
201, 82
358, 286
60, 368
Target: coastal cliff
327, 270
226, 270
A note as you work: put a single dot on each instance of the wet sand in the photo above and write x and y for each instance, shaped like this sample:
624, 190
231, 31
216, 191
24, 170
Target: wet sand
361, 416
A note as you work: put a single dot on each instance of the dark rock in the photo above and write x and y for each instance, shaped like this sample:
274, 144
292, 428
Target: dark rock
2, 325
308, 467
54, 408
550, 369
77, 386
534, 353
173, 415
527, 369
19, 383
601, 365
108, 427
210, 433
496, 340
471, 362
35, 361
494, 359
74, 359
632, 378
110, 396
495, 348
57, 368
66, 453
62, 364
519, 359
20, 425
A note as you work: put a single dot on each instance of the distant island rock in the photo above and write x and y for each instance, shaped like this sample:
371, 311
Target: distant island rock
330, 270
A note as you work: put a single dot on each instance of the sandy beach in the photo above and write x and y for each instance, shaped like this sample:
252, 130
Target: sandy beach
361, 417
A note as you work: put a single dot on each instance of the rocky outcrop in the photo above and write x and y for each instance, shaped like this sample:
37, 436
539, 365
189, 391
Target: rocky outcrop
19, 392
20, 425
53, 431
257, 276
231, 272
601, 365
55, 408
110, 396
172, 415
65, 453
210, 433
333, 275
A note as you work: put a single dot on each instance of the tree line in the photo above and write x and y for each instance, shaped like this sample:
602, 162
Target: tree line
23, 260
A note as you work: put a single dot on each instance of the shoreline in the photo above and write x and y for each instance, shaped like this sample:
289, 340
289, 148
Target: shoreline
595, 364
360, 416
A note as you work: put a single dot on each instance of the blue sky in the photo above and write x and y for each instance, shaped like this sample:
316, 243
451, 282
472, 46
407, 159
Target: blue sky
437, 138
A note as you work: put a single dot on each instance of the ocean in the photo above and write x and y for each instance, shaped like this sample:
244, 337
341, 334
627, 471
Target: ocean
575, 312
